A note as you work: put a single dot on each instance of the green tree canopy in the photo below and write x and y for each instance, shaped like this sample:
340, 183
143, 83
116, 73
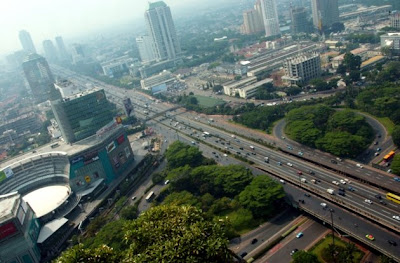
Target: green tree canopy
396, 135
180, 154
302, 256
261, 195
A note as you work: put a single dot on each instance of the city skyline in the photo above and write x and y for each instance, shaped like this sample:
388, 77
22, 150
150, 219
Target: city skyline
45, 20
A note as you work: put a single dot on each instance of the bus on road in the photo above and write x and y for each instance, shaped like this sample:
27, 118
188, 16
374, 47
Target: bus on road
150, 196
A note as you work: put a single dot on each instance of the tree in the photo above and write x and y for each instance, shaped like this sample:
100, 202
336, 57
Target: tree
129, 212
396, 135
261, 195
352, 62
157, 178
179, 154
302, 256
396, 165
175, 234
80, 253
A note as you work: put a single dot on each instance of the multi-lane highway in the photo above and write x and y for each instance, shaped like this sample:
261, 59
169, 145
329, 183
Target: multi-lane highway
285, 167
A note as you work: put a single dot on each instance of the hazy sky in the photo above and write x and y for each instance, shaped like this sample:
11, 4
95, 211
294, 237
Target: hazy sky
45, 19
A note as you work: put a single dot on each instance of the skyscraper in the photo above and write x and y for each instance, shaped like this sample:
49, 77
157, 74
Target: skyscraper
146, 48
270, 18
40, 79
50, 51
252, 22
325, 13
161, 29
62, 51
26, 41
300, 22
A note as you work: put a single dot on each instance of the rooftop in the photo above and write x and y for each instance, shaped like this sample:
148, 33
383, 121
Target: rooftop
155, 5
50, 228
8, 206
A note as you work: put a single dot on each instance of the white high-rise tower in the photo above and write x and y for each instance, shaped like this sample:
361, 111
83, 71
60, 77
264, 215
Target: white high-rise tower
270, 17
26, 41
161, 29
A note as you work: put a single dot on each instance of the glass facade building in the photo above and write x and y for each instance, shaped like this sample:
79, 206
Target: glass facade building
82, 115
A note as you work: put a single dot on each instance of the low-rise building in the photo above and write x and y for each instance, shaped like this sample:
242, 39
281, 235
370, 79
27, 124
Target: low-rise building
361, 52
159, 82
117, 66
245, 88
302, 68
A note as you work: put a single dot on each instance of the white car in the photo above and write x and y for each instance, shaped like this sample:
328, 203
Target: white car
342, 181
225, 155
396, 217
335, 182
289, 164
359, 166
368, 201
324, 205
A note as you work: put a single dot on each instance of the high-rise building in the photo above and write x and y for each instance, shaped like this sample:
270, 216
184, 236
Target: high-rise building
26, 41
161, 29
50, 51
270, 17
395, 20
300, 22
78, 55
146, 48
39, 76
252, 22
62, 51
82, 115
302, 68
325, 13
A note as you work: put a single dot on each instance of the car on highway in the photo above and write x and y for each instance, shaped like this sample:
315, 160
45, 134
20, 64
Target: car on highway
370, 237
324, 205
289, 164
293, 251
359, 166
396, 217
279, 163
392, 242
342, 181
378, 196
299, 235
299, 172
255, 240
341, 193
311, 172
225, 155
282, 181
335, 182
243, 254
351, 189
396, 179
333, 161
378, 149
307, 194
300, 153
133, 198
368, 201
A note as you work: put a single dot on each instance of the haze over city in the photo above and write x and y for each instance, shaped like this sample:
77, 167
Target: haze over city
45, 19
213, 131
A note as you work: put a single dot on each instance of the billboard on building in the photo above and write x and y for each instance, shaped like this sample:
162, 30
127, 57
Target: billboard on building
7, 230
128, 106
6, 173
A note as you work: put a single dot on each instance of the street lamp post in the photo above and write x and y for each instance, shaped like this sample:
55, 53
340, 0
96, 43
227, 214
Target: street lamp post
333, 235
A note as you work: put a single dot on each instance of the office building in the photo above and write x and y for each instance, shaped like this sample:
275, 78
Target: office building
67, 88
26, 41
19, 230
78, 55
82, 115
270, 18
117, 66
146, 49
252, 22
325, 13
39, 77
395, 20
50, 51
391, 41
62, 51
161, 29
300, 23
302, 68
